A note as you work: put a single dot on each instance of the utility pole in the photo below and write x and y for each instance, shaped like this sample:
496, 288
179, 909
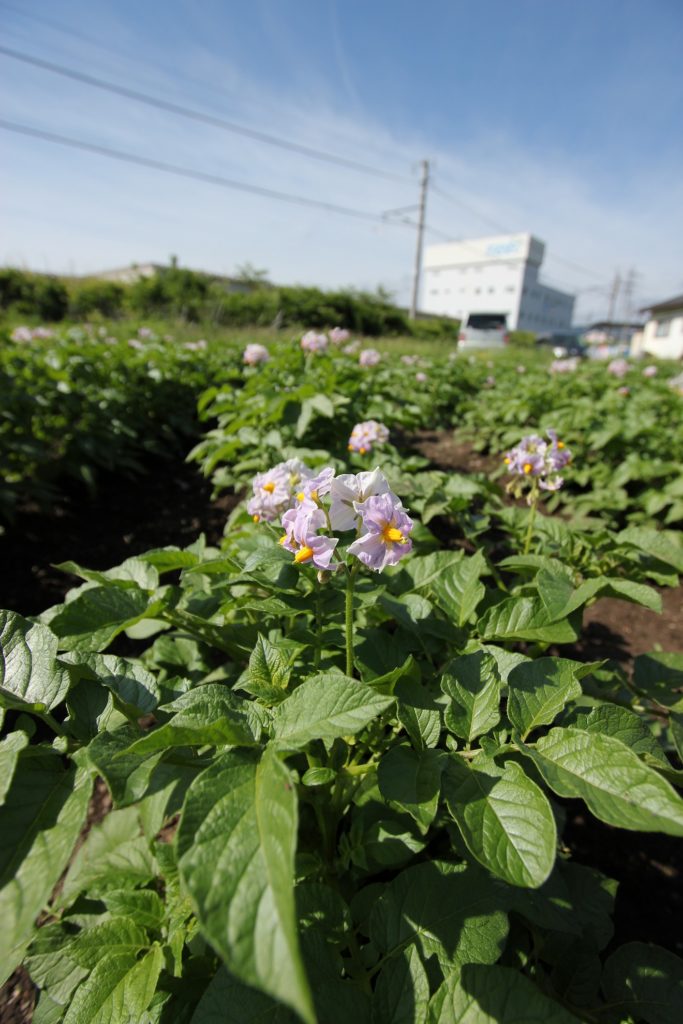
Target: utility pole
614, 294
420, 234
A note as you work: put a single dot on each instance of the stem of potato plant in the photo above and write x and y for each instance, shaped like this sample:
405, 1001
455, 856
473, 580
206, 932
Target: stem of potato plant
350, 579
318, 624
533, 504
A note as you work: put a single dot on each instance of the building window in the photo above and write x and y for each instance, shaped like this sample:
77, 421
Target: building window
510, 288
491, 291
434, 291
477, 291
663, 327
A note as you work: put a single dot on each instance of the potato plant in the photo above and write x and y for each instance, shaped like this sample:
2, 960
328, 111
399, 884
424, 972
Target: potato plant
339, 757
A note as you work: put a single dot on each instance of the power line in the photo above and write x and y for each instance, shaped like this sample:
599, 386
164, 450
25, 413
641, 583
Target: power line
506, 231
186, 172
198, 115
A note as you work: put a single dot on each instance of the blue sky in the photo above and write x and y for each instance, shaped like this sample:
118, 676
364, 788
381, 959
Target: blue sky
556, 117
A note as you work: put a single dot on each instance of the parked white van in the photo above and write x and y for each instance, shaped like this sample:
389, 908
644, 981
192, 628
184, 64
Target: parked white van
483, 330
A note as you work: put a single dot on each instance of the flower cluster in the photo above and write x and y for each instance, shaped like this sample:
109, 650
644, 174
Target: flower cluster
365, 435
197, 346
361, 502
31, 333
564, 365
618, 368
369, 357
313, 342
255, 354
650, 371
536, 459
338, 335
409, 360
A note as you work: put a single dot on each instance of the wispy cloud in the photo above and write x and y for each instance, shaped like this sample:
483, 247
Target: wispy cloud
66, 210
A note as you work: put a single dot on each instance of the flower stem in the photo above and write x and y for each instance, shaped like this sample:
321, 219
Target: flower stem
532, 518
318, 625
350, 579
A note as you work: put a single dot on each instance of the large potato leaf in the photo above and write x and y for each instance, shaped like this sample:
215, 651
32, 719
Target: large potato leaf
29, 673
118, 990
39, 825
479, 994
236, 845
615, 784
504, 818
645, 982
472, 685
325, 707
538, 690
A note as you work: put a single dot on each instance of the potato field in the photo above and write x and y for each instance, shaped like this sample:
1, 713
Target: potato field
341, 681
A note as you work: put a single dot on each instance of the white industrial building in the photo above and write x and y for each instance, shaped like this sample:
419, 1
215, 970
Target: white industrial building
494, 275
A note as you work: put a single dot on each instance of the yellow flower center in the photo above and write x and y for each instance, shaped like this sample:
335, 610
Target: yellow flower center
392, 535
300, 496
256, 519
560, 444
303, 554
527, 467
507, 460
282, 539
314, 495
362, 451
270, 487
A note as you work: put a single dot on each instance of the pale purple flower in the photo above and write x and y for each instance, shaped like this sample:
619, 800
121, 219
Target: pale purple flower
111, 340
521, 369
564, 365
338, 335
196, 346
365, 435
316, 487
255, 354
42, 332
385, 527
650, 371
313, 342
22, 334
301, 525
409, 360
369, 357
421, 377
618, 368
145, 332
272, 494
351, 349
623, 391
534, 457
350, 489
134, 343
490, 382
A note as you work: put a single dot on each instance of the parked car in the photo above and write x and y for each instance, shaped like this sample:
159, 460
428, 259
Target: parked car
563, 345
483, 330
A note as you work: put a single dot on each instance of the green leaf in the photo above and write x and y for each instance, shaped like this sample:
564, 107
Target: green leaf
209, 714
118, 990
92, 620
538, 690
130, 682
127, 775
236, 844
424, 570
117, 935
418, 713
144, 905
318, 776
29, 672
480, 994
632, 729
554, 589
612, 780
646, 982
39, 826
504, 818
131, 573
472, 684
412, 780
657, 543
451, 910
458, 591
525, 618
402, 991
324, 707
10, 748
113, 854
52, 969
228, 1001
659, 676
269, 671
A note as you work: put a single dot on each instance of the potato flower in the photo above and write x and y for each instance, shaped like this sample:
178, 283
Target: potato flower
302, 525
369, 357
385, 526
365, 435
534, 458
338, 335
618, 368
313, 342
255, 354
